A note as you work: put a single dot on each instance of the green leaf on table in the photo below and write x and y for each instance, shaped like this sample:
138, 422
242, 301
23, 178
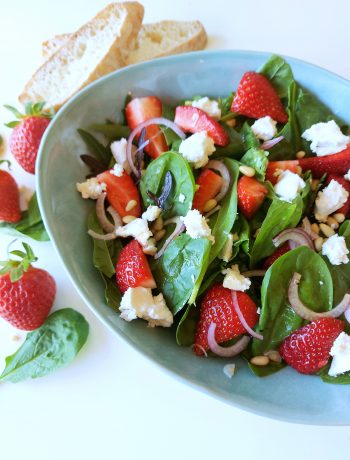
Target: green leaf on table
51, 346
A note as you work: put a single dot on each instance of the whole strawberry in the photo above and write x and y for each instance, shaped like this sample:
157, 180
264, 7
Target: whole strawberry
9, 199
307, 349
26, 293
27, 133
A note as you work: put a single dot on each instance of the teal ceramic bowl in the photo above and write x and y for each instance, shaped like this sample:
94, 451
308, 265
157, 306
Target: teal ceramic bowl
286, 395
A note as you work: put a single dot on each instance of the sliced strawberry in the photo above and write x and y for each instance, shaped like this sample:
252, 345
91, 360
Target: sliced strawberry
276, 255
345, 184
120, 191
251, 195
274, 169
307, 349
256, 98
339, 163
142, 109
210, 185
217, 307
193, 120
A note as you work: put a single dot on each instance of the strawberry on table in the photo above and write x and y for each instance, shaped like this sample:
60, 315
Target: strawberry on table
346, 185
26, 293
210, 185
275, 168
121, 190
27, 133
194, 120
142, 109
338, 163
132, 269
251, 195
307, 349
217, 307
256, 98
9, 198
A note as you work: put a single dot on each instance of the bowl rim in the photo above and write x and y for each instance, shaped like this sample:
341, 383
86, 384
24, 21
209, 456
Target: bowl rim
247, 406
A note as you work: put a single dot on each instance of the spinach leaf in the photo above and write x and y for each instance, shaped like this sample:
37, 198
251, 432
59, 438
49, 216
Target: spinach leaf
186, 329
112, 131
95, 147
342, 379
277, 318
180, 271
49, 347
249, 138
225, 105
227, 215
257, 159
153, 181
112, 293
30, 225
170, 136
281, 215
279, 73
242, 229
235, 147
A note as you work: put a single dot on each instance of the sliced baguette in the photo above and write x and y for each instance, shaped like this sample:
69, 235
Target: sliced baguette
154, 40
97, 48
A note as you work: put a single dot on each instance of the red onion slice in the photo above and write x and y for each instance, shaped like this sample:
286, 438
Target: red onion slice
242, 318
145, 124
250, 273
271, 143
104, 237
115, 216
224, 352
296, 235
304, 312
202, 349
307, 227
347, 315
101, 214
213, 211
180, 227
219, 166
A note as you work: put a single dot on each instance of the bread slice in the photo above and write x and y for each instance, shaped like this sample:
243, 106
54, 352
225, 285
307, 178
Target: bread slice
154, 40
97, 48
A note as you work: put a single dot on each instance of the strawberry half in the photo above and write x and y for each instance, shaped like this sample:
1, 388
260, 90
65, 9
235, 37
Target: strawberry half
274, 169
132, 269
120, 191
142, 109
210, 185
217, 307
345, 209
9, 199
276, 255
256, 98
339, 163
307, 349
194, 120
251, 195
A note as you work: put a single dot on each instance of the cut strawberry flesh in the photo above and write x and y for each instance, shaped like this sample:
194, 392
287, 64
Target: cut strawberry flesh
276, 255
274, 169
339, 163
251, 195
210, 185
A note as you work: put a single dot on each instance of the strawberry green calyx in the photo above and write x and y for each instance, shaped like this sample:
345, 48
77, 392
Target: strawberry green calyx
17, 268
30, 110
8, 163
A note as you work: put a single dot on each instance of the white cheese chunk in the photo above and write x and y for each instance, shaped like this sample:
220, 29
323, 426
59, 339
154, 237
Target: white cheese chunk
208, 106
196, 225
229, 370
92, 188
139, 303
197, 148
341, 355
289, 185
118, 149
117, 170
264, 128
329, 200
227, 250
138, 229
151, 213
326, 138
235, 280
335, 249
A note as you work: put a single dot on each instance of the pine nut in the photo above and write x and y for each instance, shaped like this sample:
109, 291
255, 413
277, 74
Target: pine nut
128, 219
339, 217
299, 171
326, 230
247, 171
300, 154
315, 228
158, 224
159, 235
260, 360
209, 205
131, 204
231, 123
332, 223
273, 356
314, 184
318, 243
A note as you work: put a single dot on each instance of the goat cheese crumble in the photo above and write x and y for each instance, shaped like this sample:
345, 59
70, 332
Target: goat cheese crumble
138, 229
326, 138
289, 185
210, 107
151, 213
197, 148
92, 188
264, 128
329, 200
341, 355
235, 280
196, 225
335, 249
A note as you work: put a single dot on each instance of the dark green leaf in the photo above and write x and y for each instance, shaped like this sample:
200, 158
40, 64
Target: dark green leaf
249, 138
279, 73
225, 106
235, 147
257, 159
186, 329
112, 131
95, 147
112, 293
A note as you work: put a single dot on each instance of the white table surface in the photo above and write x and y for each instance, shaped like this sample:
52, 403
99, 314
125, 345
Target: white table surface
111, 402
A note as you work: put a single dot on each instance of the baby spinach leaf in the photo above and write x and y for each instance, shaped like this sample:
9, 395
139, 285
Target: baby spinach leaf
186, 329
183, 183
257, 159
342, 379
112, 293
235, 147
30, 225
112, 131
225, 105
179, 272
279, 72
49, 347
242, 229
95, 147
249, 138
277, 318
170, 136
281, 215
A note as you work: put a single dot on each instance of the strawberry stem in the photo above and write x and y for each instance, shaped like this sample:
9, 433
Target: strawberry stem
17, 268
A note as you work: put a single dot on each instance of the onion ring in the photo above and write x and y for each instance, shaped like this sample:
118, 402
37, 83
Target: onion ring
219, 166
224, 352
242, 318
271, 143
297, 235
180, 227
101, 214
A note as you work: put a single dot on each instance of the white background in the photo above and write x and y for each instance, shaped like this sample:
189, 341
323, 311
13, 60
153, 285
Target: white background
111, 402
